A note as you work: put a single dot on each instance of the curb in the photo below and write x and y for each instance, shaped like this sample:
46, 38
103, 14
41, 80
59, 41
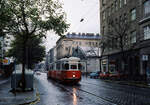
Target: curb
36, 100
33, 101
4, 81
127, 83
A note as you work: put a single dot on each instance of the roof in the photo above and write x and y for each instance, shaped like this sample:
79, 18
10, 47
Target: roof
144, 20
90, 51
83, 36
84, 52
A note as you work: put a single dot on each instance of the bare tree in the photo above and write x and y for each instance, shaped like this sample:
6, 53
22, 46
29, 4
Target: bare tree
116, 37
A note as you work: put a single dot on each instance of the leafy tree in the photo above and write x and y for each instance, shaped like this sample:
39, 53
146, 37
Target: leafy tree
5, 17
33, 18
35, 52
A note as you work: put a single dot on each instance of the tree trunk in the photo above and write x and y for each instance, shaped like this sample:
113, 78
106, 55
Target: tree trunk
22, 82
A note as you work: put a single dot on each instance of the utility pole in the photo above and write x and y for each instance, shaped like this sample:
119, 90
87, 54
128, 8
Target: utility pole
2, 51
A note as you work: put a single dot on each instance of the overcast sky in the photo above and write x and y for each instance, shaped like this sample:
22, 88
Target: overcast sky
77, 10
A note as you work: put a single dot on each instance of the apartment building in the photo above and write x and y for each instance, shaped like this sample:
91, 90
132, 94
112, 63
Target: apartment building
136, 39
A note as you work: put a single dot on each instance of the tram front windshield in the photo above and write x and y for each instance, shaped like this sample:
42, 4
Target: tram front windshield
70, 66
73, 66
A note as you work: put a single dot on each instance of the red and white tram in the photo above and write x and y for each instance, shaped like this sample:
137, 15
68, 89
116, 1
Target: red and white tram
66, 70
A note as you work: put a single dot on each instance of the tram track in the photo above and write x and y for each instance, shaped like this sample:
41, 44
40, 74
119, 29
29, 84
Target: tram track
85, 92
70, 90
105, 99
119, 89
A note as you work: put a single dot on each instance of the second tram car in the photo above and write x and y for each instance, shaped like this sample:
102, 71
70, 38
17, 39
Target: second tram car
66, 70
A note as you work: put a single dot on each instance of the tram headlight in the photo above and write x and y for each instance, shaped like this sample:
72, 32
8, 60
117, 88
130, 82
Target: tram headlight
74, 76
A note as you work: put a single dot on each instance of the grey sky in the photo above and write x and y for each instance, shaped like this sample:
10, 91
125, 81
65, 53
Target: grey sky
76, 10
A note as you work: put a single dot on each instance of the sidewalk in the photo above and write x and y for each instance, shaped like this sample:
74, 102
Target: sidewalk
3, 79
131, 83
21, 98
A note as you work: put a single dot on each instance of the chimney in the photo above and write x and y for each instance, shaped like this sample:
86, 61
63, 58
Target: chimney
83, 34
73, 33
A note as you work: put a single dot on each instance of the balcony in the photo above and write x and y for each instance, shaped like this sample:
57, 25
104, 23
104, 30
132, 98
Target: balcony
145, 19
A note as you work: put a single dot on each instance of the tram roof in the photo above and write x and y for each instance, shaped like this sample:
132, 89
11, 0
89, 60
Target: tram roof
70, 59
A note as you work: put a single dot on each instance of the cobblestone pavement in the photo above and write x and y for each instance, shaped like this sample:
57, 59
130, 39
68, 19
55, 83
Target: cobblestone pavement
90, 92
119, 94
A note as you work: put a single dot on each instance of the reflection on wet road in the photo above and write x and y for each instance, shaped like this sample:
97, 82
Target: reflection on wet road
74, 97
89, 92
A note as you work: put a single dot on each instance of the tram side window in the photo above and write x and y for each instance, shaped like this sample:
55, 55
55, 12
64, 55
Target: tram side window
51, 67
58, 66
73, 66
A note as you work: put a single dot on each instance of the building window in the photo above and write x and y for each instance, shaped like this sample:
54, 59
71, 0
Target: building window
147, 7
103, 30
125, 2
116, 5
125, 18
96, 44
90, 43
147, 32
79, 43
133, 37
133, 14
126, 40
120, 3
93, 43
76, 43
120, 18
108, 11
103, 2
103, 15
67, 48
112, 8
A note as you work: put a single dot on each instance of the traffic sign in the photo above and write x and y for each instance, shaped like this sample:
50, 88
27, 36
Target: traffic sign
145, 57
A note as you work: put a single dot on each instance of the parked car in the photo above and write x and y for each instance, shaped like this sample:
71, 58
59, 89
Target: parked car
95, 74
38, 73
104, 75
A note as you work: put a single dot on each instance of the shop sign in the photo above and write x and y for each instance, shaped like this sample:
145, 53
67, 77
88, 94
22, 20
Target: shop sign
6, 61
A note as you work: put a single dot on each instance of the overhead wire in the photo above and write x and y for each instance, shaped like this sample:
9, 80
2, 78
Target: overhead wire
88, 20
83, 17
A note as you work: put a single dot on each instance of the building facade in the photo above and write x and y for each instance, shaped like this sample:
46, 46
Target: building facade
67, 44
84, 46
137, 36
50, 57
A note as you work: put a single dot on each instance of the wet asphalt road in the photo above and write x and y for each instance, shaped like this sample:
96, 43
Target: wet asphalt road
89, 92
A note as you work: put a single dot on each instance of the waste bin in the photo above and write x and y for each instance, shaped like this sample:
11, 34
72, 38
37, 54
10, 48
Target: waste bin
16, 77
